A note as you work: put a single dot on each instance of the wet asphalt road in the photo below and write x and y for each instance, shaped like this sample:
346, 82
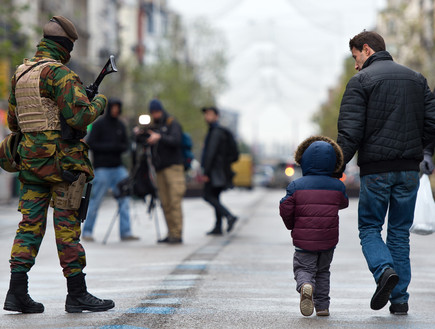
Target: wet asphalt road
240, 280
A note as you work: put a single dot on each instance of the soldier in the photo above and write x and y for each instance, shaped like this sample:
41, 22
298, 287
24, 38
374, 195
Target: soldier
44, 93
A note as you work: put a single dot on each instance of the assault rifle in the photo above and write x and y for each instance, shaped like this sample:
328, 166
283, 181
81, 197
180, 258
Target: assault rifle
68, 132
110, 67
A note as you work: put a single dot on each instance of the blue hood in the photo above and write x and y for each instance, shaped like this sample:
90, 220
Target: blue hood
319, 159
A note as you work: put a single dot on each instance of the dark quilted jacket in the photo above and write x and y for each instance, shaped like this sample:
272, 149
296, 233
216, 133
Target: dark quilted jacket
387, 114
310, 207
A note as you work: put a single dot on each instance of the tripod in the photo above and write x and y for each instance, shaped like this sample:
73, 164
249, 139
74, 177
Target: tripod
152, 212
141, 184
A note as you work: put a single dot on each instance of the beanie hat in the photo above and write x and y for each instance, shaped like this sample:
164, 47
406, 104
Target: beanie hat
60, 26
306, 143
211, 108
155, 105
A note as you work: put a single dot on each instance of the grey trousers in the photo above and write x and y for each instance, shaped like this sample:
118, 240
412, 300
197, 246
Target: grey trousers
313, 268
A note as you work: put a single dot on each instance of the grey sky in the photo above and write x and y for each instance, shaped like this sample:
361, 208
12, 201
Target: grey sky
284, 55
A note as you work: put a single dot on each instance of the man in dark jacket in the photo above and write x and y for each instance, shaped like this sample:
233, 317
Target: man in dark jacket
165, 139
108, 140
217, 174
387, 114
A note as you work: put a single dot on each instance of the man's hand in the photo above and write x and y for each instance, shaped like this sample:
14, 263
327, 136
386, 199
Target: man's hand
154, 137
427, 166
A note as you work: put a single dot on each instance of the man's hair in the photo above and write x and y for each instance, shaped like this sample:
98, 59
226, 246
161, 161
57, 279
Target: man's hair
372, 39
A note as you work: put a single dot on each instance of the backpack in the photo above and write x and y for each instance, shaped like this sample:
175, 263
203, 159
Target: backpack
139, 183
186, 150
186, 147
232, 150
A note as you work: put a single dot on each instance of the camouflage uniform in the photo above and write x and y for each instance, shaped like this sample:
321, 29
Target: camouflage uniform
44, 155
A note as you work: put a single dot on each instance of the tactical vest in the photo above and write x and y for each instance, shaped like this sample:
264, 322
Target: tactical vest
34, 113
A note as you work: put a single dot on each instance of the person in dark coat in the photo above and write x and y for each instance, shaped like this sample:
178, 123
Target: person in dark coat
107, 141
217, 174
387, 115
310, 210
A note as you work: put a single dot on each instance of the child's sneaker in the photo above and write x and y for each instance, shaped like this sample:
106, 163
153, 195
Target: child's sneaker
306, 304
322, 312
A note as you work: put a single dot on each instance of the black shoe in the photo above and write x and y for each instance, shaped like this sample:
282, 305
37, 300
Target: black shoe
22, 303
399, 309
165, 240
386, 284
87, 302
129, 238
170, 240
215, 231
231, 221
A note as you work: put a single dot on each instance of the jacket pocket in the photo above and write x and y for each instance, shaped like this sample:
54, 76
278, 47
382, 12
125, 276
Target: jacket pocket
40, 160
73, 156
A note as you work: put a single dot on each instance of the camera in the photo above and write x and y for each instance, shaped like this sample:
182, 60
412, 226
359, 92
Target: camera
141, 131
142, 136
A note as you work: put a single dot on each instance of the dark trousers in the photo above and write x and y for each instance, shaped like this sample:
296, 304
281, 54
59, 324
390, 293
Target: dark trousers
211, 195
313, 268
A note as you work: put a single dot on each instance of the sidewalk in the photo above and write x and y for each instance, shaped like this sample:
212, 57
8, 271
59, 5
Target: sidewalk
241, 280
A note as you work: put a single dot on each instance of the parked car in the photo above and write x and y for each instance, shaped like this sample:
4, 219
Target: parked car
263, 175
243, 170
283, 174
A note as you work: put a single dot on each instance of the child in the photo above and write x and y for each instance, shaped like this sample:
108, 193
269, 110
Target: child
310, 211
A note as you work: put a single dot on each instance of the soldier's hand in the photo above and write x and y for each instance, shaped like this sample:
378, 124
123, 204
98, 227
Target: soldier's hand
102, 102
427, 165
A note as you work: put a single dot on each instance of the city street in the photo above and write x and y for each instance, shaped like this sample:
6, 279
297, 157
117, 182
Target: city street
240, 280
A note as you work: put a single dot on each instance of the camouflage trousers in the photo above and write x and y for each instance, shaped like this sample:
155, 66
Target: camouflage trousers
33, 205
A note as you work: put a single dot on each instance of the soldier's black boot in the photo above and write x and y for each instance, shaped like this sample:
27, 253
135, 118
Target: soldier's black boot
79, 299
18, 299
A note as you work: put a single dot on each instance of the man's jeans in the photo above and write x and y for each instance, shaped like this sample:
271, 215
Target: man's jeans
395, 192
106, 178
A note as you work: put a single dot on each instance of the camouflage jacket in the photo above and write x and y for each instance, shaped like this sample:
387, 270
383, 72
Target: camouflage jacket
45, 154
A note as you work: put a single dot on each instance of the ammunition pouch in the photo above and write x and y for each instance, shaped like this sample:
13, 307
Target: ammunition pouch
68, 195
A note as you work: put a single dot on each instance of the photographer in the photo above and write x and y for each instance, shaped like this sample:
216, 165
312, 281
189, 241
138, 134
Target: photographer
164, 137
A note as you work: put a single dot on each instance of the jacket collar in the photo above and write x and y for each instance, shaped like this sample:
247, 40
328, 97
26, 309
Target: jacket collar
378, 56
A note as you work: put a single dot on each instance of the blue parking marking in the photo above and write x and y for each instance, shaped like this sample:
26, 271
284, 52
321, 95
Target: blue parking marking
199, 267
122, 327
151, 310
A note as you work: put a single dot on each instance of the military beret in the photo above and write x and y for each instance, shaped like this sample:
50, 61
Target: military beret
62, 27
